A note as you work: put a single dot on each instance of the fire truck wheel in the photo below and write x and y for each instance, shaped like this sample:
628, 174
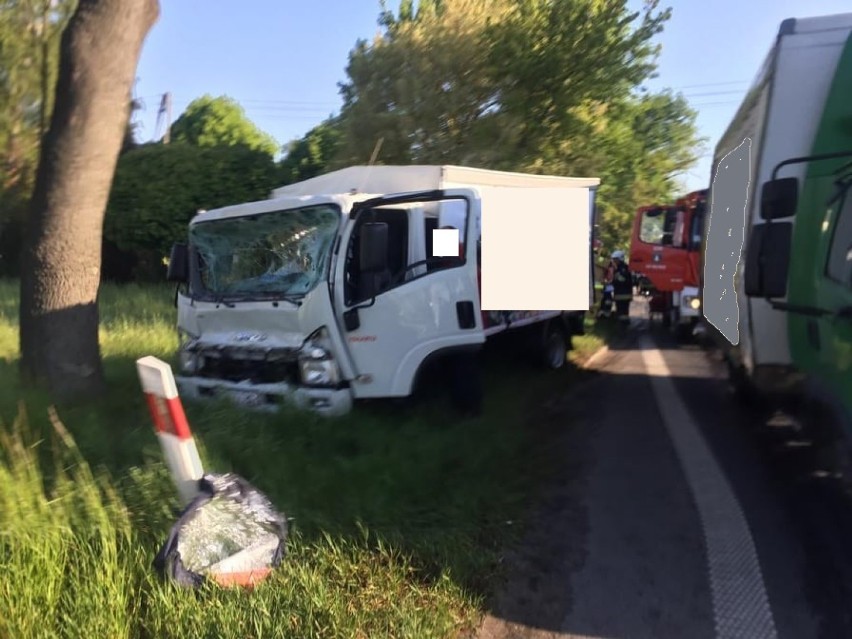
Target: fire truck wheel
683, 332
554, 347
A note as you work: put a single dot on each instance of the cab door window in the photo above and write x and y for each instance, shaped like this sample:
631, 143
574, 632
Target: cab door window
679, 229
355, 282
839, 265
697, 226
412, 250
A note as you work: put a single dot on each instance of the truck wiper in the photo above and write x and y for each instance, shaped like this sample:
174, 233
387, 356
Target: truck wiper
220, 299
295, 301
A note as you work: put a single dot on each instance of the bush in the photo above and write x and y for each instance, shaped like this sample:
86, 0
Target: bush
159, 188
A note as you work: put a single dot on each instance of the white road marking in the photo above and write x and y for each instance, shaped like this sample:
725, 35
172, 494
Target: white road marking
740, 603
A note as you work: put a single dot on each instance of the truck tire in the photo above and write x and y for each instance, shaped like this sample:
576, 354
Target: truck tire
466, 384
554, 347
740, 386
667, 314
832, 444
682, 330
674, 318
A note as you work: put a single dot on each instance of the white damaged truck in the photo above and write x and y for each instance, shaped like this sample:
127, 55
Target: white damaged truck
332, 291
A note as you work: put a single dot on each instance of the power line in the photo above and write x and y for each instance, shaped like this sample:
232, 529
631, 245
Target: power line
715, 93
712, 84
288, 109
288, 102
727, 102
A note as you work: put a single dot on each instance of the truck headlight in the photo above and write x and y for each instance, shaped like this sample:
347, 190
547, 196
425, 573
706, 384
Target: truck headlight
316, 363
692, 302
190, 361
319, 372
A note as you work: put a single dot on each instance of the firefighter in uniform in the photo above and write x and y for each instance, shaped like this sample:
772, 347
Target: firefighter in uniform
605, 309
622, 284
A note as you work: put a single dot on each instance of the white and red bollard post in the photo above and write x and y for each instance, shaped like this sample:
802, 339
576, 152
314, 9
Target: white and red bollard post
171, 425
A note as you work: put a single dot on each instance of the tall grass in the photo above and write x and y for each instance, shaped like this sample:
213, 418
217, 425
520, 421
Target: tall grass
399, 514
74, 565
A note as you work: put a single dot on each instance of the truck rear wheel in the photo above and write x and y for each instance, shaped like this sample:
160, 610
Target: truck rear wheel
554, 348
833, 448
740, 386
466, 384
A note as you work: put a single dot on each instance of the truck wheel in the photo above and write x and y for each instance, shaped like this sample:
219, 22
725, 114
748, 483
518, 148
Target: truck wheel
554, 347
466, 384
682, 330
674, 318
740, 386
831, 442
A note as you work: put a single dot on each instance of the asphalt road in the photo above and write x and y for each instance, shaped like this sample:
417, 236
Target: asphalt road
680, 514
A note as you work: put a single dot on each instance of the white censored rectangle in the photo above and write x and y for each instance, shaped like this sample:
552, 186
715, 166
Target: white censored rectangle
445, 243
535, 248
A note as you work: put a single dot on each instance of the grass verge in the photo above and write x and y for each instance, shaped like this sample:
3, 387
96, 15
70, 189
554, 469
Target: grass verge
399, 514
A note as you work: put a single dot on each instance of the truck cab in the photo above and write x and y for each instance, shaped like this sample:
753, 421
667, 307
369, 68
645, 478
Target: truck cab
323, 299
665, 252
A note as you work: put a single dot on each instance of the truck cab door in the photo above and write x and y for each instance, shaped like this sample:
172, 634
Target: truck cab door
829, 337
408, 286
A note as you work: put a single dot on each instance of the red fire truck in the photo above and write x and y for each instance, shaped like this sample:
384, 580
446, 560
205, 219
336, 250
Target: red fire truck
665, 257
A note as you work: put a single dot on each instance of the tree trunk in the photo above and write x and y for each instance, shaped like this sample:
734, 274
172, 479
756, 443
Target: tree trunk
99, 53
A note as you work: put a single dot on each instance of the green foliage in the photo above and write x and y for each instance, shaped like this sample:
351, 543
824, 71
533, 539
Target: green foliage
545, 86
221, 121
400, 515
158, 188
639, 147
29, 46
312, 154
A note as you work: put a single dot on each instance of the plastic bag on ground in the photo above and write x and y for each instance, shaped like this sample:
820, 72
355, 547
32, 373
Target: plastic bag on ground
231, 533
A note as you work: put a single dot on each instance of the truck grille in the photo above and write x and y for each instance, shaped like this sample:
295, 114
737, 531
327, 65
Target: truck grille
254, 371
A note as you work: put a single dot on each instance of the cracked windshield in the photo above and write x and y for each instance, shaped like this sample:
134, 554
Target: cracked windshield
278, 253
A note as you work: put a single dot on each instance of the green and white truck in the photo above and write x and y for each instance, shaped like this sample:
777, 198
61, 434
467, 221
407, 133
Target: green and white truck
793, 282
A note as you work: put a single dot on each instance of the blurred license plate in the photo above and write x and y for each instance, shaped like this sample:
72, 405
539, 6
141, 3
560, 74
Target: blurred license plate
247, 398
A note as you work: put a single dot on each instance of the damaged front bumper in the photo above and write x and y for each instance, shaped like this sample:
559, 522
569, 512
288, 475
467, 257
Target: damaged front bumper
331, 402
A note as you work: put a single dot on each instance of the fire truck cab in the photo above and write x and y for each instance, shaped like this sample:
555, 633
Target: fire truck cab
665, 255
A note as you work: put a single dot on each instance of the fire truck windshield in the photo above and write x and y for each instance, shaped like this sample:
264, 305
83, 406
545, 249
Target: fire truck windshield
658, 226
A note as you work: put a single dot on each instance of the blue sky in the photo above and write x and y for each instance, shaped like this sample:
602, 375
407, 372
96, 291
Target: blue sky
282, 59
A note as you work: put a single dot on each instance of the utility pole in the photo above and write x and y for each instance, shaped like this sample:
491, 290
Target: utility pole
165, 109
168, 136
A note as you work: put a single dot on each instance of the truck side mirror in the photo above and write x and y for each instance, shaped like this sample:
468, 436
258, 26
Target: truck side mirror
768, 259
373, 247
779, 198
178, 270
